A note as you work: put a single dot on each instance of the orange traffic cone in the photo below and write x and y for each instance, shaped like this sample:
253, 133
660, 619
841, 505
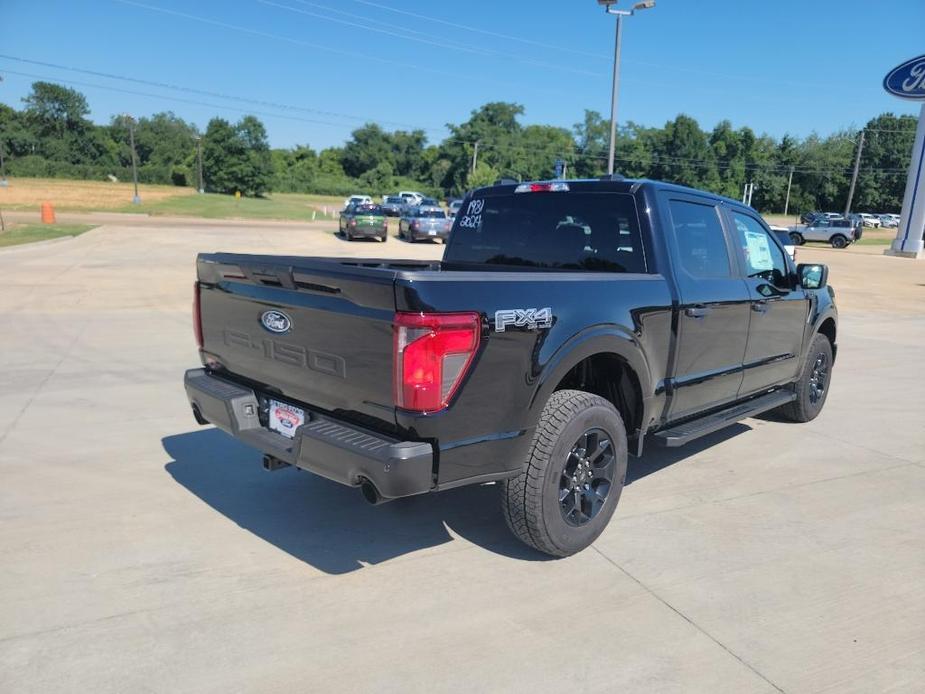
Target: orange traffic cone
48, 213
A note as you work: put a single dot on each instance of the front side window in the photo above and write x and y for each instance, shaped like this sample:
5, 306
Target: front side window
701, 243
763, 258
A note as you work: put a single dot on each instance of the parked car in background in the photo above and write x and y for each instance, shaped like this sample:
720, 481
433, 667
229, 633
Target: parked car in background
392, 205
869, 220
454, 207
889, 221
424, 222
808, 217
364, 221
429, 202
783, 235
357, 200
836, 232
834, 215
411, 197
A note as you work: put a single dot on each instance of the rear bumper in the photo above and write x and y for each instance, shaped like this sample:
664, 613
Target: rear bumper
422, 235
328, 447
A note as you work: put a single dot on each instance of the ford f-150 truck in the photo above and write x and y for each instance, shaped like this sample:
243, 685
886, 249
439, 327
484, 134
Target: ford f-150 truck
568, 323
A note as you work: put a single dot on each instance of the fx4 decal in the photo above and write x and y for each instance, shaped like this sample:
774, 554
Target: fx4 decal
529, 318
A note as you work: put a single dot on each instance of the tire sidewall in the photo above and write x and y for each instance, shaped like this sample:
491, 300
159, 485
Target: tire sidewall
564, 536
839, 241
819, 346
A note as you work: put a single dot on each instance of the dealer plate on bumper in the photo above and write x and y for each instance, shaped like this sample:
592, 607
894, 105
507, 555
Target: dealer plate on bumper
284, 418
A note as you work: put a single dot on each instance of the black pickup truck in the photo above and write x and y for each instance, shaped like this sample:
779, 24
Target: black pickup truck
568, 322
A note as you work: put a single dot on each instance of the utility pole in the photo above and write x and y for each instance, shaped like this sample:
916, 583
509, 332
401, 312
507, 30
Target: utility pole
131, 138
475, 156
199, 156
3, 181
787, 200
854, 175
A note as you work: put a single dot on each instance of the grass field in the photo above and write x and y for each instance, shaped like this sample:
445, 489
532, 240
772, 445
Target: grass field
83, 196
286, 206
102, 196
30, 233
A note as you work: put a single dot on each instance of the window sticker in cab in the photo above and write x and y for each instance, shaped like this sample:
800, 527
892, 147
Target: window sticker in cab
472, 219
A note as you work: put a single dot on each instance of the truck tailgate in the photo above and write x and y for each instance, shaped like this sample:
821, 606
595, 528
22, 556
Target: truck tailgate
315, 331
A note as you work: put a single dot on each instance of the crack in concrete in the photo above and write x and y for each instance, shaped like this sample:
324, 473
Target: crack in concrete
687, 619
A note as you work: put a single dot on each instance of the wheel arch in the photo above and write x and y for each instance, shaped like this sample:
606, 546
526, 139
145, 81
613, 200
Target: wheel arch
608, 362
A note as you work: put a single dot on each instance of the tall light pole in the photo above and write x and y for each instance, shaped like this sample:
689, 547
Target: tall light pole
619, 14
199, 165
131, 138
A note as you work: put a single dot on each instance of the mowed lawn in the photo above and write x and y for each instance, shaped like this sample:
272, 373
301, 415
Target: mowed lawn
30, 233
284, 206
103, 196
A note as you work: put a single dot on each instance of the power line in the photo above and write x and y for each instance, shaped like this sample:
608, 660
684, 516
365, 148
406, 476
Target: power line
440, 44
477, 30
300, 42
216, 95
175, 98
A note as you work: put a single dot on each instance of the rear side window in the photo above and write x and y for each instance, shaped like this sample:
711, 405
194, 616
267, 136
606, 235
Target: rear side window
594, 232
700, 239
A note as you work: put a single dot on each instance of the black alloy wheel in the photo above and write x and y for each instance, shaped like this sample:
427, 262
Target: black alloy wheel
587, 477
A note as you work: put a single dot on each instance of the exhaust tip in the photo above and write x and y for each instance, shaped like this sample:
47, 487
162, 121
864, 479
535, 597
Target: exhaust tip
198, 415
270, 464
371, 494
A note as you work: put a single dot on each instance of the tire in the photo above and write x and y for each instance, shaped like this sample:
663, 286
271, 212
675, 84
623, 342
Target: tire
797, 239
816, 372
554, 504
384, 238
838, 241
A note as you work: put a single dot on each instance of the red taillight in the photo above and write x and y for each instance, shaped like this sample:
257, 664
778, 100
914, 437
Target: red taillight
197, 315
433, 351
353, 222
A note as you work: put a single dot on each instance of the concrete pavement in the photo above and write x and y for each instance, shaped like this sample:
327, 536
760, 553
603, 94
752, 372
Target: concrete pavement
141, 552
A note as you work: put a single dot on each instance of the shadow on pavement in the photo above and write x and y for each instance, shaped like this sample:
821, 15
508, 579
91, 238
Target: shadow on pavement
331, 527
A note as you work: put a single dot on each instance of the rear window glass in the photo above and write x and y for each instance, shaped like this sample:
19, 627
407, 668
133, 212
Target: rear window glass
596, 232
368, 209
394, 200
439, 214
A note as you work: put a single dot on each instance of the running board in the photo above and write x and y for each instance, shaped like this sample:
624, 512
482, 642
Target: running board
682, 433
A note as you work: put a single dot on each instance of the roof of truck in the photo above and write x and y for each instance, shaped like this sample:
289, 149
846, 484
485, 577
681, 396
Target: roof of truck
614, 183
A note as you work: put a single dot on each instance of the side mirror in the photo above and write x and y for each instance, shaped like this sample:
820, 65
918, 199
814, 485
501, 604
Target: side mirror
813, 276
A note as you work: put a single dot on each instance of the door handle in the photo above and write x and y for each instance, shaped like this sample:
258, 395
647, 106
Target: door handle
696, 311
760, 306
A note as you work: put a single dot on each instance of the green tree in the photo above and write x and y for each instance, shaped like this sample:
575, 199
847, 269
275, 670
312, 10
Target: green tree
237, 158
884, 162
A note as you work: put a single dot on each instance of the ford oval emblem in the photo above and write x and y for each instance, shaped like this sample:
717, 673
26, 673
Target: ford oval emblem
907, 80
275, 321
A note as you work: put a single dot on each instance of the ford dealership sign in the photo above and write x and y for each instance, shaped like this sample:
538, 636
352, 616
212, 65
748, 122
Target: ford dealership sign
907, 80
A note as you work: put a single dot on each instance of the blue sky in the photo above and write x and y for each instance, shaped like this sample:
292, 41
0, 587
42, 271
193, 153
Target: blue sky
326, 66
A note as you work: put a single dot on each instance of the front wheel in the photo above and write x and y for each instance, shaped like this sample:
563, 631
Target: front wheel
797, 239
839, 241
813, 387
568, 488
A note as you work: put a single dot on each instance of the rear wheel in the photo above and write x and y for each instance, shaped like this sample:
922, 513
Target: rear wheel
567, 490
797, 239
839, 241
813, 387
